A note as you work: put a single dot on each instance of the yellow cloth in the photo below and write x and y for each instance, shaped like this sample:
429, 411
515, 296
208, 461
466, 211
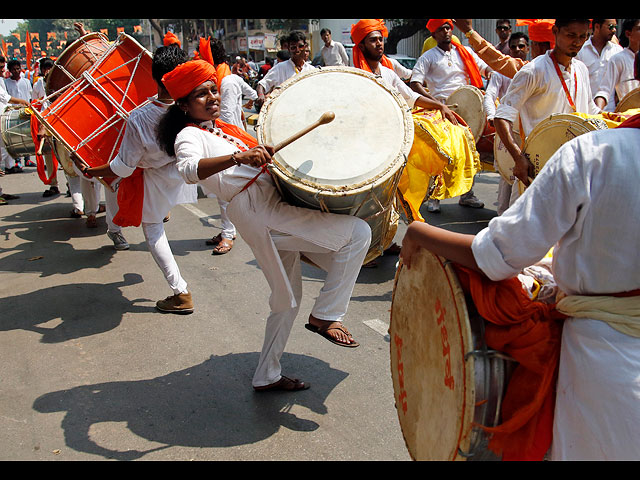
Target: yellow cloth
612, 119
440, 149
430, 42
620, 313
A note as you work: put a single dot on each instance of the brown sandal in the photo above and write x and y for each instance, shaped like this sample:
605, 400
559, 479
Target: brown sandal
216, 240
324, 329
223, 247
284, 384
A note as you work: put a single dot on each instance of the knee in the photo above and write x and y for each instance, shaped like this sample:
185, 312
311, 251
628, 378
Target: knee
361, 231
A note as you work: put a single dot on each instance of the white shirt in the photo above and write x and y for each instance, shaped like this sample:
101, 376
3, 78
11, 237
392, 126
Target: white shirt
38, 90
19, 89
4, 96
444, 72
536, 92
596, 62
582, 202
281, 72
392, 79
259, 209
335, 54
232, 89
618, 77
496, 89
164, 188
403, 72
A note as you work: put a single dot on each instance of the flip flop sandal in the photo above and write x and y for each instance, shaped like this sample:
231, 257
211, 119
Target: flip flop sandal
322, 331
222, 248
285, 384
216, 240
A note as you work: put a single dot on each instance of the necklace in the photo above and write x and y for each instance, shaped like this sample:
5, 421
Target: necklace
240, 146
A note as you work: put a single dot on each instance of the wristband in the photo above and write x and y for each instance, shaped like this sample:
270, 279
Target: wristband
469, 33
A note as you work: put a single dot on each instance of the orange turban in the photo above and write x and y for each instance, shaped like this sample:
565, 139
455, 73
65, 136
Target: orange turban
359, 31
436, 23
539, 29
170, 38
180, 81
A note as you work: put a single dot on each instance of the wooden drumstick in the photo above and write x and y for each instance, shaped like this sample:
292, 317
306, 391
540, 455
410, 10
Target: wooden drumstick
326, 117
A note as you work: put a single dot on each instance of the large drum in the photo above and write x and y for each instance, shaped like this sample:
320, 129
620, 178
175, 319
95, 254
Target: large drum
15, 127
445, 379
550, 134
63, 157
353, 164
89, 117
630, 101
75, 59
503, 160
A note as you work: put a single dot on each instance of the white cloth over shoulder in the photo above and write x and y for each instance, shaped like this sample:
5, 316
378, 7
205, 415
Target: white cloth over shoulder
584, 201
164, 188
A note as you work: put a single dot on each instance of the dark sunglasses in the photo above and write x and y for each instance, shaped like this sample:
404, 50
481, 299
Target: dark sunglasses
502, 27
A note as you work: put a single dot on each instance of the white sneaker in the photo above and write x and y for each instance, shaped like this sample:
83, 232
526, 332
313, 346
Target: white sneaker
119, 241
433, 205
470, 201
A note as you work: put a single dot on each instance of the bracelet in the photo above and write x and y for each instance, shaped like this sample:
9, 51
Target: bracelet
234, 159
84, 171
469, 33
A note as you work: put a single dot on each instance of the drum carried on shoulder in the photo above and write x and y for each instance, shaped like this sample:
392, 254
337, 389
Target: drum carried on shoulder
446, 381
353, 164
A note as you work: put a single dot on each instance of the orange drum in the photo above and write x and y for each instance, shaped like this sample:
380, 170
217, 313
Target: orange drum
89, 117
75, 59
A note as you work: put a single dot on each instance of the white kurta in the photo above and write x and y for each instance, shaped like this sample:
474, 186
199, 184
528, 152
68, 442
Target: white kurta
618, 77
536, 92
232, 89
585, 202
280, 72
596, 64
19, 89
164, 187
444, 72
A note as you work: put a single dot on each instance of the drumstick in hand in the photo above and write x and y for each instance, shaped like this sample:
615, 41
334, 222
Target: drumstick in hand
326, 117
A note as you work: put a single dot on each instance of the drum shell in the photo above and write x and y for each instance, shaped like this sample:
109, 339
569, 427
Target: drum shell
372, 198
75, 59
630, 101
445, 380
63, 156
15, 125
466, 101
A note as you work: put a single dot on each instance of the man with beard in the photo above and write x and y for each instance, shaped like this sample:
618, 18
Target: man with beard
556, 82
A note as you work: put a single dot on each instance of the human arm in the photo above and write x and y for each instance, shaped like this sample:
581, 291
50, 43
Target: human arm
523, 168
255, 157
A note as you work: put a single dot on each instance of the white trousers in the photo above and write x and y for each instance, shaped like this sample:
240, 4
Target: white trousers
342, 267
161, 252
228, 228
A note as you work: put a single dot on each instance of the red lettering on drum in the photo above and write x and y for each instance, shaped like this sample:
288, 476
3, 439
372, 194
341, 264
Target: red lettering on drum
402, 397
446, 348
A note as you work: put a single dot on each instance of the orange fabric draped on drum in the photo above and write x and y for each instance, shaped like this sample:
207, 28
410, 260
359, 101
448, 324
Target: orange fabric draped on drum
40, 167
470, 65
358, 33
530, 332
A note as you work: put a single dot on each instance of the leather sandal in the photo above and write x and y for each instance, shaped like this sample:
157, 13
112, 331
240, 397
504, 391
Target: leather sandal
284, 384
324, 329
216, 240
223, 247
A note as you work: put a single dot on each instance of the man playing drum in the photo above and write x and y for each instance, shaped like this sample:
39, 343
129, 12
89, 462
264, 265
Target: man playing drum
163, 188
444, 69
555, 82
569, 206
233, 166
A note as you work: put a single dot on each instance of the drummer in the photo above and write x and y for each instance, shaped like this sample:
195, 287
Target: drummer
232, 165
444, 69
537, 91
570, 204
282, 71
618, 76
140, 156
5, 99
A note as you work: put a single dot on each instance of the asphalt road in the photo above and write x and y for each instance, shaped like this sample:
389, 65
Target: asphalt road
91, 371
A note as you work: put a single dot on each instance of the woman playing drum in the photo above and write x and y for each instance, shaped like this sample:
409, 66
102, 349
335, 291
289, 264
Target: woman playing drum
233, 166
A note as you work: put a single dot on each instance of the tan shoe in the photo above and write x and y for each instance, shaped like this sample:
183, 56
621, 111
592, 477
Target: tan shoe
180, 303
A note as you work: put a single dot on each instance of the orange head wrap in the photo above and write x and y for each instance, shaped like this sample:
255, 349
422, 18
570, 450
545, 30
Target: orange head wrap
222, 69
180, 81
170, 38
359, 31
539, 29
469, 62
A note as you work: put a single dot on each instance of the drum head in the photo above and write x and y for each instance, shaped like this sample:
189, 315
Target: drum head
503, 159
629, 101
370, 136
433, 383
468, 104
550, 134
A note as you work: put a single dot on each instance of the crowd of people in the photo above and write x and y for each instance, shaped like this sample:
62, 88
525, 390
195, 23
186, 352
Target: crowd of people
194, 134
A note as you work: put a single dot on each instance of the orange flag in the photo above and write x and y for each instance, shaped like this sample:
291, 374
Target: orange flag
29, 50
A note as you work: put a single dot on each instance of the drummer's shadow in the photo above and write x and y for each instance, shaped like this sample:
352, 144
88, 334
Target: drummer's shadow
210, 405
65, 312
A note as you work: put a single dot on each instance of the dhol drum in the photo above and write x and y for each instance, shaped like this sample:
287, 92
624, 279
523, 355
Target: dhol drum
63, 156
89, 117
503, 160
466, 101
15, 127
75, 59
629, 101
353, 164
446, 381
550, 134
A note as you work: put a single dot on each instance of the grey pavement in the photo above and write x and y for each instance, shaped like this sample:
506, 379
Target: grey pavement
91, 371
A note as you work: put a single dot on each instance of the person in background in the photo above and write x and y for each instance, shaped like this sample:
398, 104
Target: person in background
333, 53
503, 30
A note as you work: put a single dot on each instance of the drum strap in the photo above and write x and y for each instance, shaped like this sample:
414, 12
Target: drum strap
564, 85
